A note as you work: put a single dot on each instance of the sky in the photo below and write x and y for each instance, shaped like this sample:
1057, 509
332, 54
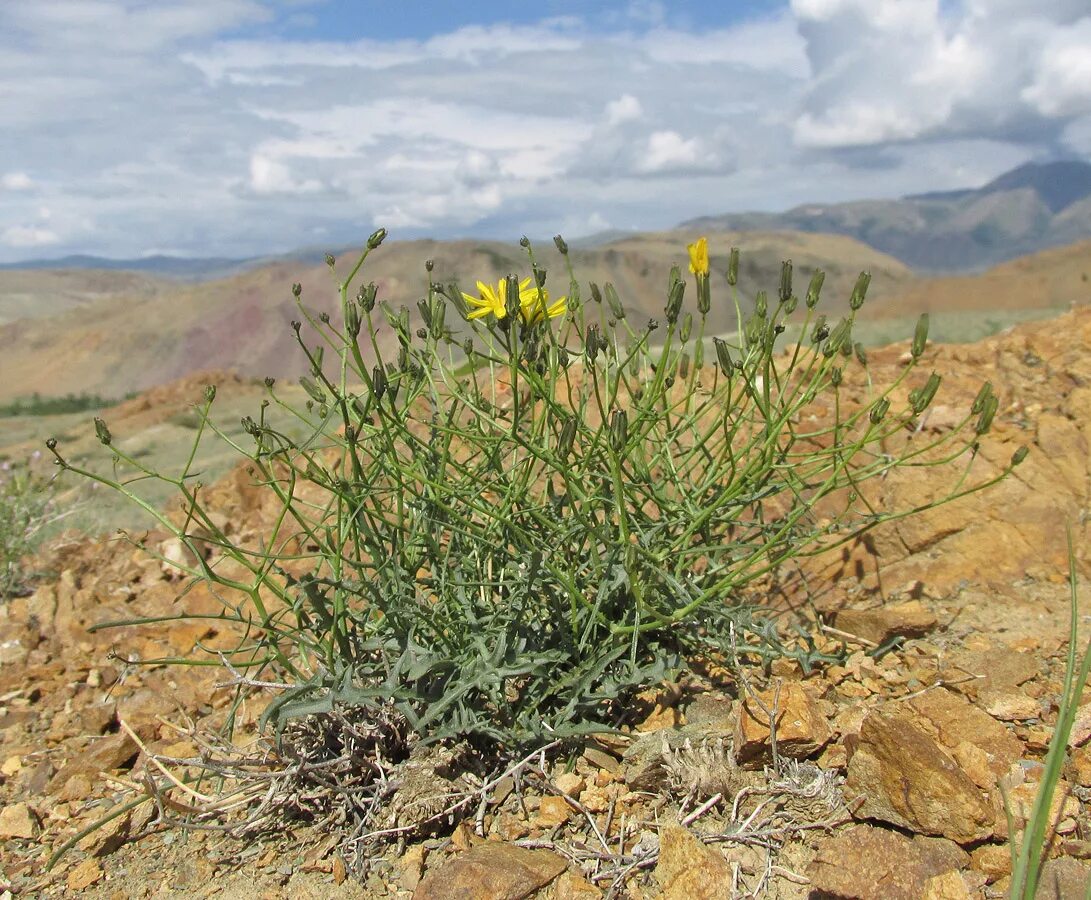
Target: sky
249, 127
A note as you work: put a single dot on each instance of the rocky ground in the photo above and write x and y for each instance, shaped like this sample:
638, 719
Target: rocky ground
879, 778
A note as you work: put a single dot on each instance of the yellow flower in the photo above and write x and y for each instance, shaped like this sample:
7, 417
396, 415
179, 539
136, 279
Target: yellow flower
491, 300
533, 304
698, 257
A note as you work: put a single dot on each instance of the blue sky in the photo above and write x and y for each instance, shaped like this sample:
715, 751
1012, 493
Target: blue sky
247, 127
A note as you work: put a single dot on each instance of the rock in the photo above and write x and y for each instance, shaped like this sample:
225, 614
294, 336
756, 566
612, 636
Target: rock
573, 886
492, 871
84, 875
869, 863
1061, 879
905, 778
114, 751
910, 619
801, 725
948, 886
105, 840
570, 784
992, 860
953, 720
688, 870
18, 821
1002, 671
644, 759
410, 867
1081, 727
1009, 706
552, 812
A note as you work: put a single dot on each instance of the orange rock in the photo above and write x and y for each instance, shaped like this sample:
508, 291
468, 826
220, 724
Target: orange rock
688, 870
492, 870
802, 728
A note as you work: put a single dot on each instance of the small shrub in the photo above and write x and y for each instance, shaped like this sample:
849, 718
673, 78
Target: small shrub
533, 507
26, 508
37, 405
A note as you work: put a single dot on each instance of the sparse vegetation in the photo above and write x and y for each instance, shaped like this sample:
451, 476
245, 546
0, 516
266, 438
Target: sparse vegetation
26, 509
510, 554
37, 405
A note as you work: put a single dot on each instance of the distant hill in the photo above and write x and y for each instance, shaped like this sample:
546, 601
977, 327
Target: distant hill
1028, 209
179, 267
137, 339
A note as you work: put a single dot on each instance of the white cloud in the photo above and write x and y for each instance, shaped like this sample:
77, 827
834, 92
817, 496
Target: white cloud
16, 181
625, 109
191, 138
667, 150
22, 236
1061, 84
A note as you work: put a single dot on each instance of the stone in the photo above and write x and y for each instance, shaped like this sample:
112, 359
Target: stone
114, 751
410, 867
1009, 706
552, 812
11, 766
869, 863
492, 871
911, 619
992, 860
946, 886
802, 728
953, 720
905, 778
109, 837
570, 784
84, 875
573, 886
689, 870
1062, 879
1081, 727
18, 821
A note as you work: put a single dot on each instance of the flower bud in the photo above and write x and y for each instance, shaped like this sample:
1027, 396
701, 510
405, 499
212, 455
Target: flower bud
723, 356
425, 312
687, 327
297, 289
683, 367
674, 301
366, 296
861, 353
785, 280
652, 325
878, 411
836, 376
102, 431
378, 382
562, 245
1019, 455
315, 392
982, 398
524, 242
591, 343
761, 304
539, 276
619, 429
376, 238
269, 382
704, 295
733, 267
820, 331
422, 333
988, 410
922, 398
352, 319
210, 392
920, 336
429, 265
814, 289
324, 318
614, 301
330, 261
568, 436
859, 290
596, 294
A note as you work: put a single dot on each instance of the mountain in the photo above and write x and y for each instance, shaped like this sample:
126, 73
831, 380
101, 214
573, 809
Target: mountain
137, 339
179, 267
1028, 209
